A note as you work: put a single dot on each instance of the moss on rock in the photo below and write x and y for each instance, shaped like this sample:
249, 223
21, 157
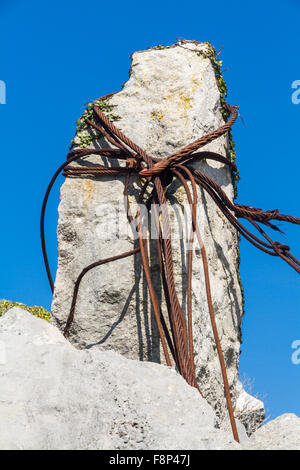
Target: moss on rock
85, 134
40, 312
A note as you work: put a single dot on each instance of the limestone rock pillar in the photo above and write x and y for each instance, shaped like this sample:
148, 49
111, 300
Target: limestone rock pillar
171, 98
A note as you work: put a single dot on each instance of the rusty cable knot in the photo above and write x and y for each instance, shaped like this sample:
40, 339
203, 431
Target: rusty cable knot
270, 215
257, 213
265, 216
180, 337
281, 247
133, 164
161, 169
157, 168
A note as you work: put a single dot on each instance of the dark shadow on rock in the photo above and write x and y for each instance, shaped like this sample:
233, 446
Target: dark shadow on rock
235, 309
116, 323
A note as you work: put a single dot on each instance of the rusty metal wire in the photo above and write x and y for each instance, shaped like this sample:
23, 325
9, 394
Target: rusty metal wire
160, 172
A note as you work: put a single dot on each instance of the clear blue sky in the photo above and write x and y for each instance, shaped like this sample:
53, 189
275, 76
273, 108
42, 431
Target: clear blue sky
56, 56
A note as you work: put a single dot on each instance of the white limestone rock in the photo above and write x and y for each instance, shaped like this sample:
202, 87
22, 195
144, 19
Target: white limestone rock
282, 433
249, 410
170, 99
53, 396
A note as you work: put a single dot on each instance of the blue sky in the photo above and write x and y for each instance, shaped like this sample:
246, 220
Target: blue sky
56, 56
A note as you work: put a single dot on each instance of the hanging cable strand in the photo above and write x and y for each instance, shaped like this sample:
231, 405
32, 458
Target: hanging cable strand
176, 336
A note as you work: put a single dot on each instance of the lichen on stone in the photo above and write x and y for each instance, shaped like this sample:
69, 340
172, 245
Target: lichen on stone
157, 115
40, 312
186, 100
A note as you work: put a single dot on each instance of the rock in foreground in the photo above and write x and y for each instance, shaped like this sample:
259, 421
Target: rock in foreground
283, 433
54, 396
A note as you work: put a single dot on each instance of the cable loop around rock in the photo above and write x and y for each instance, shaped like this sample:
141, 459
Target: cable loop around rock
178, 340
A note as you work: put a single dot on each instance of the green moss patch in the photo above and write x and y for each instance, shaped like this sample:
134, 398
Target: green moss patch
84, 134
40, 312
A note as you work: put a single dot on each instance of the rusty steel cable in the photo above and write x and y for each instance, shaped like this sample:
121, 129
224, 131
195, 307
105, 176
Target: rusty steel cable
160, 173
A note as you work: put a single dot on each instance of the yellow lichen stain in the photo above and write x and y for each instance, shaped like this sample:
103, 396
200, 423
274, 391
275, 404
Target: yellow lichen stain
196, 82
146, 80
157, 115
185, 100
88, 189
